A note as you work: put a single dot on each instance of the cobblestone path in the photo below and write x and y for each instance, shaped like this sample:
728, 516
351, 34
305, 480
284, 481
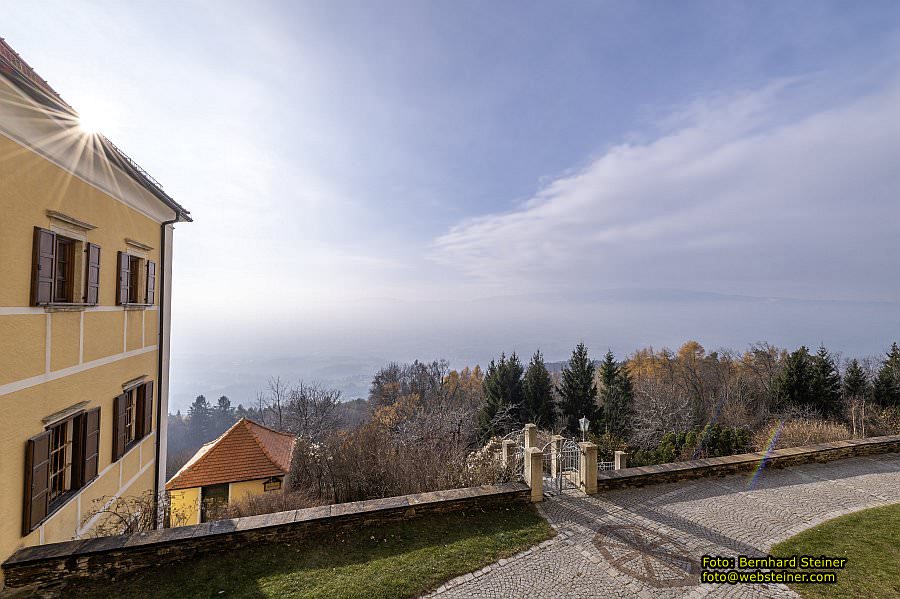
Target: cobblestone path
648, 542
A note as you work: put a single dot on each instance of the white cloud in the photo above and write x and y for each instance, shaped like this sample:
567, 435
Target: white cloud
743, 194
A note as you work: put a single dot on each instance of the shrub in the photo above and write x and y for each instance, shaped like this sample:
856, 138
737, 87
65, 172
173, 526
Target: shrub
796, 433
268, 503
130, 514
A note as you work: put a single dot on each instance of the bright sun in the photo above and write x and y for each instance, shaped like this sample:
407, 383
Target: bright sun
88, 121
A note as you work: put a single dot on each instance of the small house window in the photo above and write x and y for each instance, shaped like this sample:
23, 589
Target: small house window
129, 418
65, 256
137, 281
132, 417
60, 460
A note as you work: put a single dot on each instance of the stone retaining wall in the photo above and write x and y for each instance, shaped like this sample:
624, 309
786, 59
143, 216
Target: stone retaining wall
745, 462
47, 566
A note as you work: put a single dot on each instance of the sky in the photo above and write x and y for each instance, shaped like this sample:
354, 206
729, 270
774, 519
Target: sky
400, 180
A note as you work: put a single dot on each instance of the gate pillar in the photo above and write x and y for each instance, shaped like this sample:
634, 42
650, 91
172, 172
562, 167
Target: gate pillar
556, 442
507, 452
530, 435
587, 468
621, 460
534, 473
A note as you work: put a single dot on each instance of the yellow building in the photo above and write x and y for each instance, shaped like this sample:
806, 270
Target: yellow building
247, 459
85, 261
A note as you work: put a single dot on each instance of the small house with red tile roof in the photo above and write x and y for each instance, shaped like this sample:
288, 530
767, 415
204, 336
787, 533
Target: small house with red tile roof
247, 459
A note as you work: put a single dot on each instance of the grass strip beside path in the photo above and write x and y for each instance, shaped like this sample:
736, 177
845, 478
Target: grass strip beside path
402, 559
869, 539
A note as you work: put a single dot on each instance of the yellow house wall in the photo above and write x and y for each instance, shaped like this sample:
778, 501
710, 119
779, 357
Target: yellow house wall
185, 503
104, 334
32, 185
52, 360
65, 330
134, 330
23, 339
238, 491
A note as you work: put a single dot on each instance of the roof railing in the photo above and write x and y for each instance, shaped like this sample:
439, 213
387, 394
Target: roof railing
131, 162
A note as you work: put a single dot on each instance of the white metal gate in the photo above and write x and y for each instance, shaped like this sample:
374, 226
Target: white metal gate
561, 459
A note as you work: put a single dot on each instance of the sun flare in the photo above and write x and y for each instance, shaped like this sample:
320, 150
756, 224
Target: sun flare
89, 121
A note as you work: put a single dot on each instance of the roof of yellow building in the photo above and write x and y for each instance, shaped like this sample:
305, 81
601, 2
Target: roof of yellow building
18, 72
246, 451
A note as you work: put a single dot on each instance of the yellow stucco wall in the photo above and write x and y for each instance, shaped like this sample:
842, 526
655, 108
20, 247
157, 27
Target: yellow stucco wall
104, 334
135, 333
186, 502
32, 185
150, 327
65, 330
237, 491
83, 363
185, 507
22, 345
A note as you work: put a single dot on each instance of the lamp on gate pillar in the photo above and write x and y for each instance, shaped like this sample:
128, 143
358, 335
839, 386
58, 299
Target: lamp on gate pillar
584, 423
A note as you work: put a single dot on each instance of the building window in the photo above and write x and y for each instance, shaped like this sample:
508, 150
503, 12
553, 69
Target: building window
60, 460
64, 270
65, 256
137, 281
129, 418
132, 417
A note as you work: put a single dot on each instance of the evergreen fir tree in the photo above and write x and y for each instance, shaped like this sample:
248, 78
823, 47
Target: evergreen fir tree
856, 384
223, 415
504, 396
887, 384
794, 382
826, 384
539, 407
578, 391
616, 396
200, 420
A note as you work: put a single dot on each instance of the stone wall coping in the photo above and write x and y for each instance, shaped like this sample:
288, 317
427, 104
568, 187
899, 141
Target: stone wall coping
335, 512
745, 458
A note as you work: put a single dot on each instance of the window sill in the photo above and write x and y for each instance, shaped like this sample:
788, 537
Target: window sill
137, 306
67, 307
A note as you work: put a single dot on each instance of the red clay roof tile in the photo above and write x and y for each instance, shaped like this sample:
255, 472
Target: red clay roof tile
246, 451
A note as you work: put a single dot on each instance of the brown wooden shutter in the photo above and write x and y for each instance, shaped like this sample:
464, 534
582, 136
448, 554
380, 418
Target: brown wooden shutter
92, 280
123, 287
118, 445
77, 469
37, 481
151, 283
147, 408
43, 265
91, 446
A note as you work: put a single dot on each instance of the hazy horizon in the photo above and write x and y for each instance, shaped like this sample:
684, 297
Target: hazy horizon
373, 183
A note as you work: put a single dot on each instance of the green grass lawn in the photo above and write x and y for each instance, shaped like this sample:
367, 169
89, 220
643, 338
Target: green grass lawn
395, 560
870, 539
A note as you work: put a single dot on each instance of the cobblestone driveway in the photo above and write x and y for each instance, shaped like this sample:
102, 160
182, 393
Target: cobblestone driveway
647, 542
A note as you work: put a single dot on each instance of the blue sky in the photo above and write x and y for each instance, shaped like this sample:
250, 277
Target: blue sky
426, 179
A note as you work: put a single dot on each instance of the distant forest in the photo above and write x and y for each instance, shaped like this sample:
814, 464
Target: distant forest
660, 405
